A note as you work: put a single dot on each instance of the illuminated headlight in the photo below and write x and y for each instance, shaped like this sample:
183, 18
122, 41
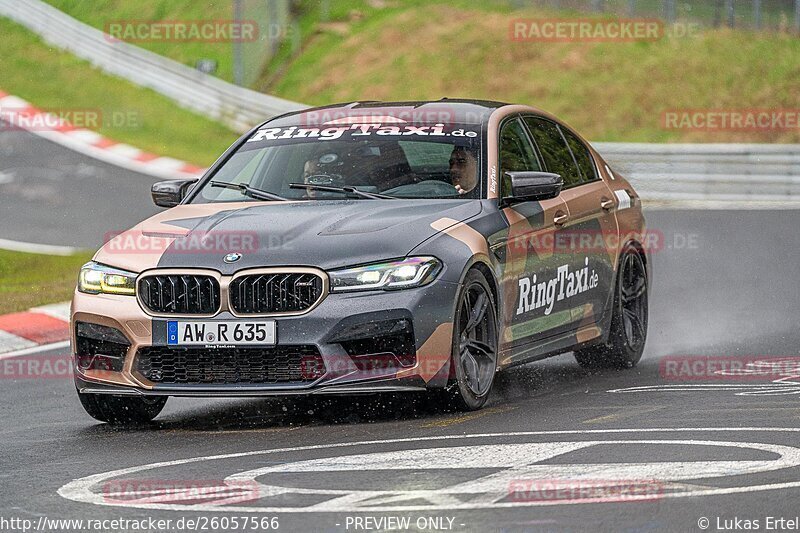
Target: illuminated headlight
100, 279
401, 274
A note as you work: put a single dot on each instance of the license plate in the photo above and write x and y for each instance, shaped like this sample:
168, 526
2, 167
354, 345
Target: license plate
238, 332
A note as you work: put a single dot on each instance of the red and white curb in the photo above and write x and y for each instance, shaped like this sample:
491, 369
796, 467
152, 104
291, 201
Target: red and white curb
20, 114
46, 325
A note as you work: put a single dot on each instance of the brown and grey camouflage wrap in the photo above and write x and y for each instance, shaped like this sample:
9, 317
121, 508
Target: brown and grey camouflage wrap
508, 244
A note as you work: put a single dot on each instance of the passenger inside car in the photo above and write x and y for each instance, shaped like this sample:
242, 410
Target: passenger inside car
380, 165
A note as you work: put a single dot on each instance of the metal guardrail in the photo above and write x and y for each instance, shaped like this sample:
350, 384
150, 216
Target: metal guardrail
764, 15
668, 172
724, 172
235, 106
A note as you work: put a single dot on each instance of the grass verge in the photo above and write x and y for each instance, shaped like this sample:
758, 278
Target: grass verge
59, 82
28, 280
101, 14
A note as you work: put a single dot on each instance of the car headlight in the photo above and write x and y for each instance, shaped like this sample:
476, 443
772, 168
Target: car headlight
100, 279
400, 274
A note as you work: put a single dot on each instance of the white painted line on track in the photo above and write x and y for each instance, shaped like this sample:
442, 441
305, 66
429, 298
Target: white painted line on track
775, 388
33, 248
718, 205
80, 490
512, 463
35, 349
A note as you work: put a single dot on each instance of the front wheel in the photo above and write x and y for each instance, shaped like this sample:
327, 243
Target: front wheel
629, 319
122, 410
474, 351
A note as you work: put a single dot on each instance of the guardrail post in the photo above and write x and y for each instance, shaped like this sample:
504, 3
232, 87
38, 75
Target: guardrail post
729, 13
757, 13
669, 8
297, 42
324, 10
797, 16
238, 67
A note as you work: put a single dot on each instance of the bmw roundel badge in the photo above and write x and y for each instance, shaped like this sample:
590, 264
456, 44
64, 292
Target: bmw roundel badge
232, 258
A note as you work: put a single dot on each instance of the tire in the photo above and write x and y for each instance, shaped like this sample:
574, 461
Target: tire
628, 331
473, 360
122, 410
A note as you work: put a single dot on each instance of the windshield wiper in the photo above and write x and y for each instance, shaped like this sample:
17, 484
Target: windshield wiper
248, 191
345, 190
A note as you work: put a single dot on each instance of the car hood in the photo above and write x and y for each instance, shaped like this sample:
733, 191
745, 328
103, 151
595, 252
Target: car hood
325, 234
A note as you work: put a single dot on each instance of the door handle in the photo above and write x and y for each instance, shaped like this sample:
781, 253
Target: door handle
560, 218
606, 203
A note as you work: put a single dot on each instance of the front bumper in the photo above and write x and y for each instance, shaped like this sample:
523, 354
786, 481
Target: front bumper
332, 328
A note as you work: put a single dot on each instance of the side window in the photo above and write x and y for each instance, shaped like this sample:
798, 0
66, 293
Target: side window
516, 153
582, 155
554, 150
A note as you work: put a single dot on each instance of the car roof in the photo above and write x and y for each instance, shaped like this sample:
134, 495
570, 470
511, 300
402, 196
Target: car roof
454, 110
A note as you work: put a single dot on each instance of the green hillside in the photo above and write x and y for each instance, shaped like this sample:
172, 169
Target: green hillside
426, 49
611, 91
56, 81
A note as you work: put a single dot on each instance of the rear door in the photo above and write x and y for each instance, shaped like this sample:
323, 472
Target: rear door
526, 248
587, 242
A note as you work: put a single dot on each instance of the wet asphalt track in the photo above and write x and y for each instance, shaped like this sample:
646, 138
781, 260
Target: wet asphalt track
52, 195
724, 285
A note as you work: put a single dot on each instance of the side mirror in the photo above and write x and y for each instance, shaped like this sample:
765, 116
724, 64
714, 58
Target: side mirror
170, 193
533, 186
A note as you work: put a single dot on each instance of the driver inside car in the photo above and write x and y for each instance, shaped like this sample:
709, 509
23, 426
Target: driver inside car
463, 170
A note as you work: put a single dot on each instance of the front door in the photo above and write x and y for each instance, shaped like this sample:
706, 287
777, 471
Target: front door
529, 306
587, 242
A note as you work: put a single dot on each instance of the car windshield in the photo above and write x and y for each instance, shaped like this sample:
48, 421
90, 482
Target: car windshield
396, 159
